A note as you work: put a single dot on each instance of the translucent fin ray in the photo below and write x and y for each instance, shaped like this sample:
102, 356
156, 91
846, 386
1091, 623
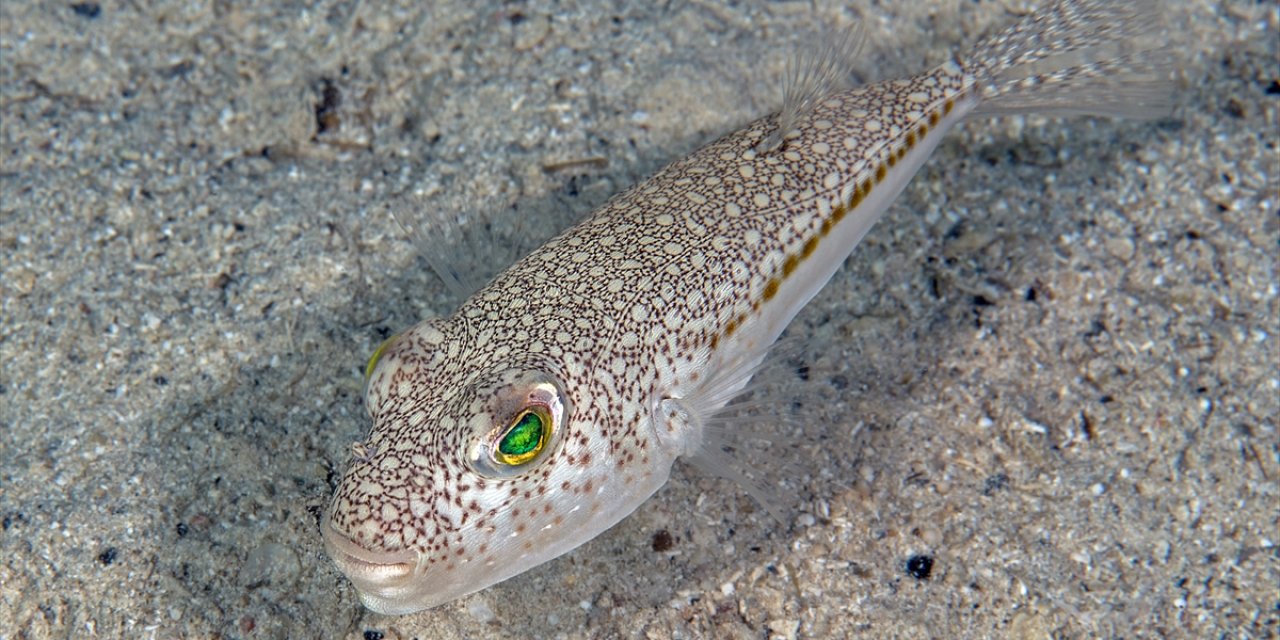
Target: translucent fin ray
811, 75
727, 423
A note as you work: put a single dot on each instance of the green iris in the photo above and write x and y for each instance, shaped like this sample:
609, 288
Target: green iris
525, 439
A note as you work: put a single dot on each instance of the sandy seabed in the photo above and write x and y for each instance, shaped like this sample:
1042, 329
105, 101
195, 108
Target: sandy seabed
1052, 370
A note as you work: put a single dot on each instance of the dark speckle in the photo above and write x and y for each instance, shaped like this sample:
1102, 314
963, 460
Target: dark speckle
107, 557
662, 541
88, 10
220, 281
326, 110
919, 567
12, 518
1096, 329
1273, 89
995, 483
372, 634
1235, 108
183, 529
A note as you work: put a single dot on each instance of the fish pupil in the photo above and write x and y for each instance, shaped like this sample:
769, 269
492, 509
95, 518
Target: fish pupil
524, 438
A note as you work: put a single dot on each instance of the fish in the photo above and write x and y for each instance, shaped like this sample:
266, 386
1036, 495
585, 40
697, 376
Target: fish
554, 401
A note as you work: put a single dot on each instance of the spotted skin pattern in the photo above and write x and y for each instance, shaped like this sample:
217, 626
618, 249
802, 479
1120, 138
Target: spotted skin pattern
619, 325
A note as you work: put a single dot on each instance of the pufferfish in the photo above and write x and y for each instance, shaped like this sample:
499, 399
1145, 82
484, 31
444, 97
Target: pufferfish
555, 400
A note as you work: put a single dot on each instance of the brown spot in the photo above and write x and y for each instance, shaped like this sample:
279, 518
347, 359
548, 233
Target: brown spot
948, 105
790, 265
838, 214
911, 138
934, 118
731, 327
771, 289
924, 130
880, 174
809, 246
892, 160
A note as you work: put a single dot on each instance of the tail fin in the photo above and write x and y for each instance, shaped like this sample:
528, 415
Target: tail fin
1077, 57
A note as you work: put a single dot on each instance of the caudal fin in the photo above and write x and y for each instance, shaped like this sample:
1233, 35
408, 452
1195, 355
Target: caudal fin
1077, 57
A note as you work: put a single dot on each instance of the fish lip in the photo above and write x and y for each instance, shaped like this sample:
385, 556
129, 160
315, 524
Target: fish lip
371, 571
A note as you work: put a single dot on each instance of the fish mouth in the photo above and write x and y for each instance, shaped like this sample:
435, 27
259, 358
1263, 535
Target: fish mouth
372, 572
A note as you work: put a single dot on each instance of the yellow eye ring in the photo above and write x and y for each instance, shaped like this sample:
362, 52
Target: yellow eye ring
377, 356
525, 437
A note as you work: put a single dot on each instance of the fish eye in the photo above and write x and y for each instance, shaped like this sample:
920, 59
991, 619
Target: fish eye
505, 447
525, 438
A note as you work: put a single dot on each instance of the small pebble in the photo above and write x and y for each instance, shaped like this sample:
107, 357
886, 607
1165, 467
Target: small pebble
270, 565
108, 556
481, 611
920, 567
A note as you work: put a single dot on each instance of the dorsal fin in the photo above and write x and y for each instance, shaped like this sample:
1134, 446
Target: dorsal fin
816, 71
434, 247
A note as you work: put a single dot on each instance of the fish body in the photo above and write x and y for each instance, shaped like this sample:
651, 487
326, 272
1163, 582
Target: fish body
555, 400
